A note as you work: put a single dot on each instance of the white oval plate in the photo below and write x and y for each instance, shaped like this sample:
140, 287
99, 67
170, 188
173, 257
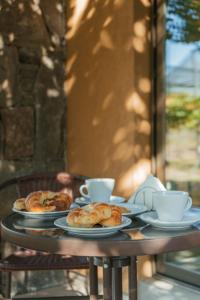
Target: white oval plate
62, 223
190, 217
134, 209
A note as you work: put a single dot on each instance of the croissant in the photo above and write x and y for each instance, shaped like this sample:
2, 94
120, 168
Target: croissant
79, 217
103, 209
46, 201
93, 214
115, 218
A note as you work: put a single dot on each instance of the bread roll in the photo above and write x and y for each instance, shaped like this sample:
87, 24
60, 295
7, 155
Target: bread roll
19, 204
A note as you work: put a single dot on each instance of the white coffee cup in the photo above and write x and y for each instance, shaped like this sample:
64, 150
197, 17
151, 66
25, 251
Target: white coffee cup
171, 205
98, 189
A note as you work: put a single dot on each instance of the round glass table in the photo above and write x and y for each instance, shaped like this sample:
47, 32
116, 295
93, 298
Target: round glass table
112, 253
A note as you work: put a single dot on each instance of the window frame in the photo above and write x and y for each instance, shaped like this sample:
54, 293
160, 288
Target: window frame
162, 266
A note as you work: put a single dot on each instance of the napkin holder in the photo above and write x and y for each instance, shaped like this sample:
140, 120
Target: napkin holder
143, 195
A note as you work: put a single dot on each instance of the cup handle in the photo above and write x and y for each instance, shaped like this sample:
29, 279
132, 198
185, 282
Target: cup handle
189, 203
84, 186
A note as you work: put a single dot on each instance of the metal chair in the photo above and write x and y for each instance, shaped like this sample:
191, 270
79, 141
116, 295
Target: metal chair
40, 261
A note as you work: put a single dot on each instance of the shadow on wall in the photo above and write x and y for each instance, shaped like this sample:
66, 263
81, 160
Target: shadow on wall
108, 89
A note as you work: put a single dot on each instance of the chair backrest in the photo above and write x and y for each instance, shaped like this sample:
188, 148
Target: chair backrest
50, 181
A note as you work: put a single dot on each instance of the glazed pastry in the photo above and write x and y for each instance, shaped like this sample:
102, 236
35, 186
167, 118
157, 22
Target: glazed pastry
46, 201
93, 214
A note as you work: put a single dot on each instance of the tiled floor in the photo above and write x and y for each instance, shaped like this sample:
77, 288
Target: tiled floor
76, 284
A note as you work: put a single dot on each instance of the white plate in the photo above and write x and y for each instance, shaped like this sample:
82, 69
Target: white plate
62, 223
191, 217
45, 215
113, 200
134, 209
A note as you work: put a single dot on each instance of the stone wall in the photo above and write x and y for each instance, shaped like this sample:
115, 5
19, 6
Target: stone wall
32, 101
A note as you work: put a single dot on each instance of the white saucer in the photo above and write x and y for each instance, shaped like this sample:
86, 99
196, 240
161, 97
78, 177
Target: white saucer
191, 217
85, 201
94, 231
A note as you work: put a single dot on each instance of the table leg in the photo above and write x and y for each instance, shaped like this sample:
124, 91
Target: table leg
93, 279
107, 279
112, 276
132, 269
117, 283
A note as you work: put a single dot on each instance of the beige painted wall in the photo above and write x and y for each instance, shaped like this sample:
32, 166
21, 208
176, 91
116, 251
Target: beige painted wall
108, 93
108, 90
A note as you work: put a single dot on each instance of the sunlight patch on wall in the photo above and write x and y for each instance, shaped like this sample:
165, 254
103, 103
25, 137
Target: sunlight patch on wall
91, 13
135, 175
122, 133
144, 127
144, 85
1, 45
107, 21
35, 7
135, 103
96, 48
123, 151
69, 83
53, 93
107, 101
48, 62
6, 88
106, 40
70, 62
139, 29
21, 7
11, 37
74, 22
119, 3
138, 44
146, 3
95, 121
59, 7
55, 39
